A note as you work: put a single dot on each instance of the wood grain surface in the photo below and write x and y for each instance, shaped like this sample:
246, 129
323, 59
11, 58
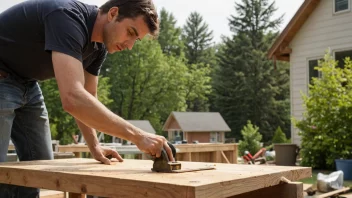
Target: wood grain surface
134, 178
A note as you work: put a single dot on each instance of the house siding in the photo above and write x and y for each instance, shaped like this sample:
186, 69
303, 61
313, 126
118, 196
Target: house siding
174, 125
201, 137
323, 30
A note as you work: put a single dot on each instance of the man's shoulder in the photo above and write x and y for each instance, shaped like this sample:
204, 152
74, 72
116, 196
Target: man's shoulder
44, 7
100, 51
70, 5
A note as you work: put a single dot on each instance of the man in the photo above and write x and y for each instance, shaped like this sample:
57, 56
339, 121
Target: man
68, 40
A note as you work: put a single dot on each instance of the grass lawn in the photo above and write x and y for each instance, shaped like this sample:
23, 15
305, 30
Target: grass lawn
313, 179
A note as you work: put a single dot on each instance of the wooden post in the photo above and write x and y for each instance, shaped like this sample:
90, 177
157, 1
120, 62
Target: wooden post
77, 154
190, 156
216, 157
235, 154
76, 195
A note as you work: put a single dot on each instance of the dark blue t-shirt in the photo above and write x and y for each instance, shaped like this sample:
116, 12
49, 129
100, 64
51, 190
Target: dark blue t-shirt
29, 31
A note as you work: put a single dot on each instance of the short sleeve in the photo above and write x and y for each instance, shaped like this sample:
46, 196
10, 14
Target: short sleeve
95, 66
65, 32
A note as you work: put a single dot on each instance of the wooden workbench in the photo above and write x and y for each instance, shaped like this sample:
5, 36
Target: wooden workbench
134, 178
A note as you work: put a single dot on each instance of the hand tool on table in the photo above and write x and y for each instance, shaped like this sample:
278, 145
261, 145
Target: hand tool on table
164, 165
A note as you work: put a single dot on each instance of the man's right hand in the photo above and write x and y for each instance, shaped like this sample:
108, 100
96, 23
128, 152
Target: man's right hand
153, 145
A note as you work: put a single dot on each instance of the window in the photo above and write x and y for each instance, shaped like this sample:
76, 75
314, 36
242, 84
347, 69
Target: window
341, 56
313, 73
214, 137
178, 136
341, 5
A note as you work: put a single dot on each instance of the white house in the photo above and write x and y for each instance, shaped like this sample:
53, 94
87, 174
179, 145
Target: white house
317, 26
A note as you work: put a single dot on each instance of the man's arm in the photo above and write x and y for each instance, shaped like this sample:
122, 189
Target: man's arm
90, 84
90, 135
77, 101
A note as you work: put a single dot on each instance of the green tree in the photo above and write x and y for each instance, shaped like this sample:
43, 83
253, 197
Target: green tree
251, 139
198, 39
326, 127
282, 98
170, 35
245, 84
198, 87
279, 136
200, 54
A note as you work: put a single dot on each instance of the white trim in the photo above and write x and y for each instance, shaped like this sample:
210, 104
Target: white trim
342, 11
293, 127
340, 50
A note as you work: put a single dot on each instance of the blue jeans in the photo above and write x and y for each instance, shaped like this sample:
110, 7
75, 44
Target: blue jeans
24, 119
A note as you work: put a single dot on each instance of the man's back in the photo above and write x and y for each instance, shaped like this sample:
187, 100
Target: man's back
29, 31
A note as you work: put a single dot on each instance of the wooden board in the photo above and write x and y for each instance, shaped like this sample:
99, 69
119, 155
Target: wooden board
342, 192
134, 178
204, 152
11, 147
51, 194
205, 147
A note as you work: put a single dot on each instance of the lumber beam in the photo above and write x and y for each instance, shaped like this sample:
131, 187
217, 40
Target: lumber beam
76, 195
285, 50
52, 194
11, 147
335, 192
186, 148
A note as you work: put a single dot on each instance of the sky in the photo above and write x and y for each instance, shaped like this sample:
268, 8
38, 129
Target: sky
214, 13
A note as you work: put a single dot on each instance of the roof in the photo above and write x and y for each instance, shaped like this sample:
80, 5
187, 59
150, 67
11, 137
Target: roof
143, 124
198, 122
280, 49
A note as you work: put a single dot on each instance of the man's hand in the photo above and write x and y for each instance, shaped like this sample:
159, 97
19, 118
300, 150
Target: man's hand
100, 154
153, 144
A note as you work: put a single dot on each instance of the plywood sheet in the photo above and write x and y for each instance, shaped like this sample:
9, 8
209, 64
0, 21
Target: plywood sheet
134, 178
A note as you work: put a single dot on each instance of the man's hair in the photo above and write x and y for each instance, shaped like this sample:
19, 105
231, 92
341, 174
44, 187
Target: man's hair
133, 9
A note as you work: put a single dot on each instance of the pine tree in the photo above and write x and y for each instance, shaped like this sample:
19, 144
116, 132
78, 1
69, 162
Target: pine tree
251, 139
197, 38
199, 53
279, 136
245, 83
170, 36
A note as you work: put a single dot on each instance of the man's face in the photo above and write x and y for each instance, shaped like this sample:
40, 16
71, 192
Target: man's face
121, 35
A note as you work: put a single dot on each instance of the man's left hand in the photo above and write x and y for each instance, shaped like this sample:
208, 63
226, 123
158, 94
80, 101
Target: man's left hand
101, 153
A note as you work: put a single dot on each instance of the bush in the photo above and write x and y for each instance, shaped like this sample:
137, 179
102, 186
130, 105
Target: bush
326, 127
279, 136
251, 139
